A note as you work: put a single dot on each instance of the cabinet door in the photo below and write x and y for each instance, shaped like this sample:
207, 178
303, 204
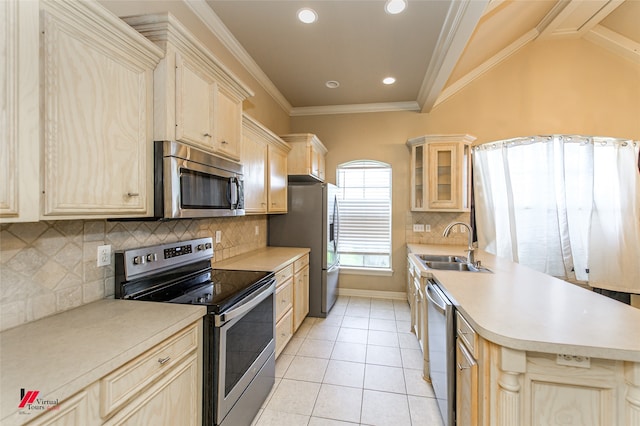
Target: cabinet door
277, 180
444, 176
79, 409
300, 296
19, 103
228, 123
254, 159
195, 97
466, 387
98, 105
418, 188
174, 400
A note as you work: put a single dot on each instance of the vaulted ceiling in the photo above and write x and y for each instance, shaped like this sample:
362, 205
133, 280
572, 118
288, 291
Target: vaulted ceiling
433, 49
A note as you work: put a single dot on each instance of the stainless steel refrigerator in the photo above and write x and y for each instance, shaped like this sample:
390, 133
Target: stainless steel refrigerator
312, 221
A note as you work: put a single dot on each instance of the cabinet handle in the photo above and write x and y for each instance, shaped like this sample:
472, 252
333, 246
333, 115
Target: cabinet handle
133, 194
224, 142
163, 361
207, 135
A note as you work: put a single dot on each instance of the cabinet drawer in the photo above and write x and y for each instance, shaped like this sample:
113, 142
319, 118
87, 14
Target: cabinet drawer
299, 264
467, 334
284, 331
284, 274
284, 299
127, 381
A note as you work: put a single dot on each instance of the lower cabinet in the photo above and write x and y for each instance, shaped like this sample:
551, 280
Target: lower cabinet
292, 299
300, 291
163, 386
466, 374
416, 285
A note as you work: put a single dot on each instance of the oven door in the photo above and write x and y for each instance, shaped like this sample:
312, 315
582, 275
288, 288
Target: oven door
246, 342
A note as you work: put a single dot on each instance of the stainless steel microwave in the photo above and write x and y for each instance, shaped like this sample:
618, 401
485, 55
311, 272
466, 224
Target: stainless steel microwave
191, 183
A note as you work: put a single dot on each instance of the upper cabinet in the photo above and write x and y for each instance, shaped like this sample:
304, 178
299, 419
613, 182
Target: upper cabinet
307, 157
264, 157
19, 104
97, 111
441, 172
197, 100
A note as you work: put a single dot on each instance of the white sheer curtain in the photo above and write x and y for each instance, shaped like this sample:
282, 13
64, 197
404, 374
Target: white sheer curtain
546, 202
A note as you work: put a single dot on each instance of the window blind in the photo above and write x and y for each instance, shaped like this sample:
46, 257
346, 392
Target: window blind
365, 226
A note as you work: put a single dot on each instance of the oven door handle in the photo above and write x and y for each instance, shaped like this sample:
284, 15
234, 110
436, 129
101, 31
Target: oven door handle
247, 304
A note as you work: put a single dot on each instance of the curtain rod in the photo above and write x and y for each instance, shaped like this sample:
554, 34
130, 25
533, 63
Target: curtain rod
584, 140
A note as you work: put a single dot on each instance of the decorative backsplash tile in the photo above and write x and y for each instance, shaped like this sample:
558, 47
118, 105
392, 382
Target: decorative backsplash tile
438, 222
50, 267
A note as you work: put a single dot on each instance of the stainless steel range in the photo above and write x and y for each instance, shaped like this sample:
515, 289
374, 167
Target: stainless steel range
239, 328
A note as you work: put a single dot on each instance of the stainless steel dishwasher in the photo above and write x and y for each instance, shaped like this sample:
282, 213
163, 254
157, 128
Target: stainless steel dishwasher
440, 320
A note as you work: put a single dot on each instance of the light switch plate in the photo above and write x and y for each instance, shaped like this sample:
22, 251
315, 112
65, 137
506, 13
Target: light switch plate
218, 237
418, 227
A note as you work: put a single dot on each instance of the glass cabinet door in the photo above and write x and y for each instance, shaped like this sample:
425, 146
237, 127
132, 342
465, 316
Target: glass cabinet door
440, 172
443, 176
418, 193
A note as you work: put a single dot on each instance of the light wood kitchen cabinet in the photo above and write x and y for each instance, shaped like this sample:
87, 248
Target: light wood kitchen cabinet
163, 386
466, 373
264, 157
416, 287
307, 157
19, 104
292, 299
284, 307
278, 180
300, 291
441, 172
197, 99
97, 82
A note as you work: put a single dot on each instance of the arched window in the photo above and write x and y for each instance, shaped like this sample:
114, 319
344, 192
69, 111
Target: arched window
365, 215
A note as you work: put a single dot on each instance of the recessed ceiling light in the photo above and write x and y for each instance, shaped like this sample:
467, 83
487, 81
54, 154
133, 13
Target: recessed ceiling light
332, 84
395, 6
389, 80
308, 16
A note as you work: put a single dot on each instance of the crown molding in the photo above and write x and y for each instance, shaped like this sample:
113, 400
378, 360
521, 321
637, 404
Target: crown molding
462, 18
614, 42
355, 108
209, 18
486, 66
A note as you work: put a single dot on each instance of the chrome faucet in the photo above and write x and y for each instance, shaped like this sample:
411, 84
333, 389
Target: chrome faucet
470, 249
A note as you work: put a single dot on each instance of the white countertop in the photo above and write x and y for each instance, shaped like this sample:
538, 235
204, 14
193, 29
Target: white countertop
523, 309
62, 354
264, 259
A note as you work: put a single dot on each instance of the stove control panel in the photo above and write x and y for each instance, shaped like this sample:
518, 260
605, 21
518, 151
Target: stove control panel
153, 259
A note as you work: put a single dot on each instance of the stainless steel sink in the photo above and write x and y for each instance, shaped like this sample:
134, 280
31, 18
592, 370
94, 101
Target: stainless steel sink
454, 266
442, 258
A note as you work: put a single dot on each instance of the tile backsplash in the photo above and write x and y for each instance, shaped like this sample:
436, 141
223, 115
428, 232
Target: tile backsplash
438, 222
50, 267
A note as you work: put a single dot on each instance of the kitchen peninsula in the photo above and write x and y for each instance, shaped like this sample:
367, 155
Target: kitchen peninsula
544, 351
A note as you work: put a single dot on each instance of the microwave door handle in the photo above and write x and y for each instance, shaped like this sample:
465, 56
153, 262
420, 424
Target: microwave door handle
230, 194
234, 190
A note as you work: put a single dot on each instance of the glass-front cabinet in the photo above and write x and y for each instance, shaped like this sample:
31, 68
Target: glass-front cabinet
441, 172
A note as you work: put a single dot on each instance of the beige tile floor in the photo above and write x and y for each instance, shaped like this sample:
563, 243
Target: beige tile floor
360, 365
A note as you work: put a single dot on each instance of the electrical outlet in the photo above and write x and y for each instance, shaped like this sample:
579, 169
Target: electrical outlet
427, 228
218, 237
463, 229
257, 230
104, 255
574, 361
418, 227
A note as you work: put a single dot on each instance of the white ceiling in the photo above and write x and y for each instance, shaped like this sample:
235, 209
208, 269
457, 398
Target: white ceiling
433, 49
